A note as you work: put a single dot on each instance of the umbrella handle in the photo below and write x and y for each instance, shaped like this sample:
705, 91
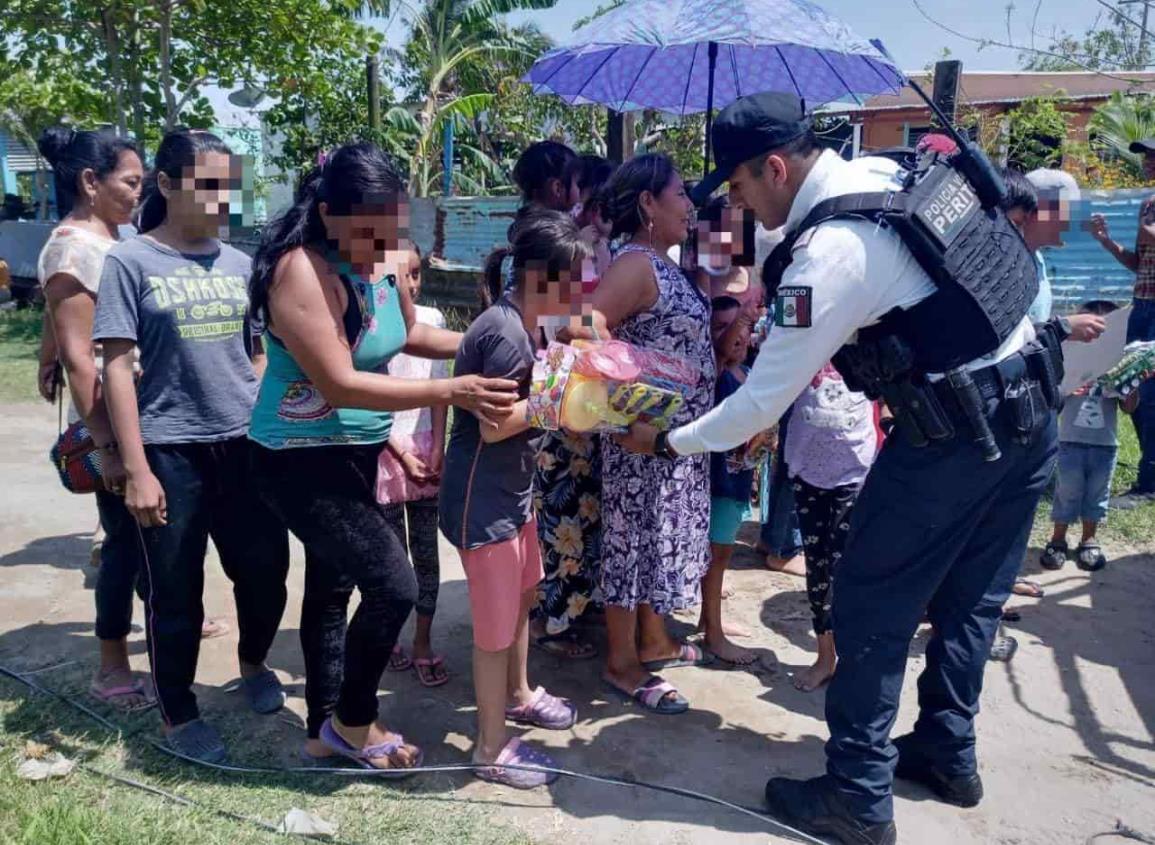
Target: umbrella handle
712, 53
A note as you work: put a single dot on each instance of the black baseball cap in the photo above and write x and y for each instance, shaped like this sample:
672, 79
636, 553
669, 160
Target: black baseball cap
1144, 147
748, 127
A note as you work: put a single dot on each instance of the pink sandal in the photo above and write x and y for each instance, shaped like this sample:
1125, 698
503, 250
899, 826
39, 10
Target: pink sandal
426, 670
544, 711
399, 661
109, 696
517, 753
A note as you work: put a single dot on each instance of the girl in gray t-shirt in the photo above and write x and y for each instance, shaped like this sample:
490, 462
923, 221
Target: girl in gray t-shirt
180, 296
486, 492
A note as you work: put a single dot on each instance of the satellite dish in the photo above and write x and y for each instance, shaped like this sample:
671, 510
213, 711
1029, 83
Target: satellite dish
248, 97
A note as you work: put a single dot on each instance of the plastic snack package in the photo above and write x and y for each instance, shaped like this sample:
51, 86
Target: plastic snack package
1136, 366
606, 386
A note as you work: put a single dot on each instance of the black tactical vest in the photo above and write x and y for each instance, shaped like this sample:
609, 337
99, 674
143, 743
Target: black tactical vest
985, 277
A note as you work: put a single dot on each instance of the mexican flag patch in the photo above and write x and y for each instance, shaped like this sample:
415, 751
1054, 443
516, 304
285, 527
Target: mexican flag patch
792, 308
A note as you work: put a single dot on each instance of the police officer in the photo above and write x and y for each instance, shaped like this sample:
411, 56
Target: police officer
939, 529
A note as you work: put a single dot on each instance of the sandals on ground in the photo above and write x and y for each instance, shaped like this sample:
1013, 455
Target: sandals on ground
427, 670
398, 660
656, 695
544, 711
1054, 556
364, 757
567, 645
1089, 556
688, 655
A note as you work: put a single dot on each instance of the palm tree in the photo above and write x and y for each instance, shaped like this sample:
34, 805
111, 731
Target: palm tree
451, 44
1122, 120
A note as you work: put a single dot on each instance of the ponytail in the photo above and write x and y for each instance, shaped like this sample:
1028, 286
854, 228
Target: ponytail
543, 237
351, 176
70, 152
493, 278
299, 225
176, 154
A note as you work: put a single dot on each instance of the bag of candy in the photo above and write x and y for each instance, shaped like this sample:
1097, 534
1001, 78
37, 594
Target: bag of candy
606, 386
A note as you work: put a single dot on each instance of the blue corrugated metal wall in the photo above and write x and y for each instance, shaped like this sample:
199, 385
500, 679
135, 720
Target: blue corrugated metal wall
1082, 270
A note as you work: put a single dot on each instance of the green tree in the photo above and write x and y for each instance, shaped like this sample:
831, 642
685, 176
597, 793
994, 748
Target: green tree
1110, 44
28, 106
448, 42
159, 56
1037, 131
1122, 120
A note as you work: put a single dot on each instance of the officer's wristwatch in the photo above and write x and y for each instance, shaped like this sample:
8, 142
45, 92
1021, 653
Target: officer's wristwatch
662, 447
1064, 327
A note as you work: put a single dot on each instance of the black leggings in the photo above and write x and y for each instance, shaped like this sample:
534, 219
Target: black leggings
422, 546
327, 497
210, 493
824, 516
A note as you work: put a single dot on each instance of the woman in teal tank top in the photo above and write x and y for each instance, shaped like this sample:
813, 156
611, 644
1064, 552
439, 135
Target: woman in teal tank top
325, 282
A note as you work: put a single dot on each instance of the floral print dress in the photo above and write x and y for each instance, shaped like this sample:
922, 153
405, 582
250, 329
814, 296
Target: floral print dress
655, 511
567, 490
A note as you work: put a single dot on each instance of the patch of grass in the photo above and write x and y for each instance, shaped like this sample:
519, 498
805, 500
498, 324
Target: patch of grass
19, 344
87, 807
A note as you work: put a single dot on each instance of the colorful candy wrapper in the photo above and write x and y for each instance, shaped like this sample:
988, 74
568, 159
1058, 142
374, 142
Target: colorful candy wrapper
1136, 366
606, 386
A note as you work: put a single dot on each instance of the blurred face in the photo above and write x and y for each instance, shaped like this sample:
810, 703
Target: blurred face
1149, 165
372, 233
114, 197
720, 242
670, 211
413, 275
554, 295
198, 202
1047, 226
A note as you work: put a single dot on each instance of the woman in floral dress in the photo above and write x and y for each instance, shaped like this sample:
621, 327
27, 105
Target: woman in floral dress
655, 512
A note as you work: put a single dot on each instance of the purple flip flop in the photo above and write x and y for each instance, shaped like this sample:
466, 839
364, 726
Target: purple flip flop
517, 753
544, 711
362, 756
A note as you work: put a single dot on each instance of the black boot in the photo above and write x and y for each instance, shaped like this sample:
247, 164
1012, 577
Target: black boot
913, 765
815, 807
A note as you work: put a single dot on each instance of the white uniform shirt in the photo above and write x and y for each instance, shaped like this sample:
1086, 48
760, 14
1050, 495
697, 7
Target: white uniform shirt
856, 273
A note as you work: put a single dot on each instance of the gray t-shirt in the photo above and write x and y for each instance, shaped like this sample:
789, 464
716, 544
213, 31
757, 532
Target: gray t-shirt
486, 488
188, 314
1090, 420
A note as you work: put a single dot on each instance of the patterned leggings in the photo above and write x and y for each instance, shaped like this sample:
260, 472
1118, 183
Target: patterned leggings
824, 516
421, 547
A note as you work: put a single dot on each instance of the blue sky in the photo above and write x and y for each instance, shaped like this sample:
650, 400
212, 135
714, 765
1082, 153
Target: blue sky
911, 38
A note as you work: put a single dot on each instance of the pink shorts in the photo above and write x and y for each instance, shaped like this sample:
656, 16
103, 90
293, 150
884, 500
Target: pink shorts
498, 575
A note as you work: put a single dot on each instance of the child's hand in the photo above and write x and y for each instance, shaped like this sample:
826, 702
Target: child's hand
417, 469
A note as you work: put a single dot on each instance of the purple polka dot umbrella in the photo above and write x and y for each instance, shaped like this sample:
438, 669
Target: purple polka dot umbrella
655, 54
688, 56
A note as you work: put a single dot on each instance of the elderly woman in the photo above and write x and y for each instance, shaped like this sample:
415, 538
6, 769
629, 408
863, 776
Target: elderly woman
655, 512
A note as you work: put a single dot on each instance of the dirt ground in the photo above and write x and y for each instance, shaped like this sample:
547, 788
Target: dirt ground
1065, 734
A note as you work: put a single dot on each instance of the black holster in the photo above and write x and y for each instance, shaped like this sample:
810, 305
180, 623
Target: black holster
883, 368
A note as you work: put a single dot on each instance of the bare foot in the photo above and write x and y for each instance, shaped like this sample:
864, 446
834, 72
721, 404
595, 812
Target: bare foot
816, 676
787, 566
727, 652
213, 628
729, 629
405, 757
